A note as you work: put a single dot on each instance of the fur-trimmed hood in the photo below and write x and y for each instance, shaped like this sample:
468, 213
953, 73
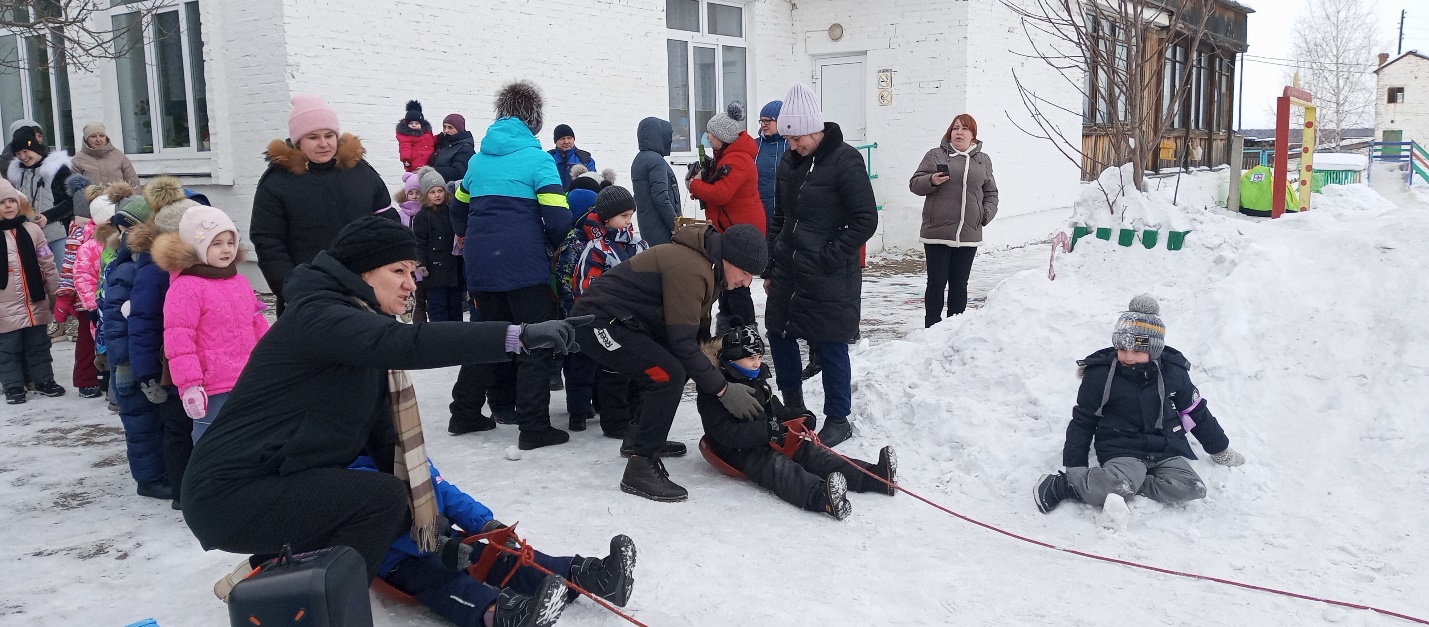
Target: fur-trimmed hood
141, 238
173, 255
48, 167
403, 129
105, 231
282, 153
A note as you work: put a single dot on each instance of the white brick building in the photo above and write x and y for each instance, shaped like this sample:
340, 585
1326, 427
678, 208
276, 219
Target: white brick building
1401, 110
220, 73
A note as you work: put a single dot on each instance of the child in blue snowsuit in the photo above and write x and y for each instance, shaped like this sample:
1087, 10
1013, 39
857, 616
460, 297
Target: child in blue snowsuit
440, 581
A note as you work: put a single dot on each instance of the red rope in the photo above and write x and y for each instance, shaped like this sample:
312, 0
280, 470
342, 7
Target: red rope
1113, 560
525, 556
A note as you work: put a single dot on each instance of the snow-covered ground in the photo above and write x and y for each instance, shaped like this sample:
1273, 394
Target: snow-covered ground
1308, 339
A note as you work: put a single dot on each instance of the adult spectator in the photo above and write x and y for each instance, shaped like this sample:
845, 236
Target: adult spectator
317, 182
729, 187
9, 155
959, 198
657, 191
822, 218
567, 155
101, 161
318, 391
513, 210
772, 147
455, 148
40, 174
649, 315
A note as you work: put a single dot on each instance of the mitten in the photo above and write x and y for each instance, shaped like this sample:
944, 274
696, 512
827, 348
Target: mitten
64, 309
455, 553
124, 380
101, 362
195, 402
153, 391
1228, 457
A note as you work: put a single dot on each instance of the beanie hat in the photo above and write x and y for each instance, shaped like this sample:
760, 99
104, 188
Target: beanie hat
76, 185
133, 211
410, 181
521, 100
414, 112
800, 114
200, 225
310, 114
585, 181
1140, 327
427, 178
27, 139
7, 190
456, 120
726, 126
371, 242
743, 245
101, 209
613, 201
22, 123
165, 195
771, 109
92, 128
564, 130
581, 201
740, 341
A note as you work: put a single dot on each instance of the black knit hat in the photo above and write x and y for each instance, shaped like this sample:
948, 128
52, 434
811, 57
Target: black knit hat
26, 139
564, 130
743, 245
740, 341
414, 112
613, 201
372, 242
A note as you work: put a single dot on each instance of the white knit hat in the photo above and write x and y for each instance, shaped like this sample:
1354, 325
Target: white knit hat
101, 209
801, 114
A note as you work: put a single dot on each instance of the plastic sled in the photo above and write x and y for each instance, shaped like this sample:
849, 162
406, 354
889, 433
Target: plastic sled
792, 440
477, 571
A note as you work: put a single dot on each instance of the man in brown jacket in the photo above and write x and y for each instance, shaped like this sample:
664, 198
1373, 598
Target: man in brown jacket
649, 315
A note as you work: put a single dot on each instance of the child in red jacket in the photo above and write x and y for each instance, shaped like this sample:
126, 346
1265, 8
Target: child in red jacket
415, 140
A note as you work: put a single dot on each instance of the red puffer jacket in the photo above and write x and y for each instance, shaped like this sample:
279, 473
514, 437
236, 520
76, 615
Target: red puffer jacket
733, 198
415, 147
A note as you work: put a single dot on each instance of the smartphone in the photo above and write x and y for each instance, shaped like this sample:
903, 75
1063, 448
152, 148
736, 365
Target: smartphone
942, 168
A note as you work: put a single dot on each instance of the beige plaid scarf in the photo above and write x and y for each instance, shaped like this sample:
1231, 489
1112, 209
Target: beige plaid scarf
410, 458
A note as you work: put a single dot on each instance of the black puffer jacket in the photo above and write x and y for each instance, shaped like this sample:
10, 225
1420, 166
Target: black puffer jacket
435, 237
453, 154
824, 214
1139, 398
314, 392
732, 439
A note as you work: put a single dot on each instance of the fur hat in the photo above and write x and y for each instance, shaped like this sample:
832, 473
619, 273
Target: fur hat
727, 126
310, 114
414, 112
28, 139
427, 178
165, 195
564, 130
613, 201
521, 100
744, 246
200, 225
1140, 327
371, 242
457, 120
801, 113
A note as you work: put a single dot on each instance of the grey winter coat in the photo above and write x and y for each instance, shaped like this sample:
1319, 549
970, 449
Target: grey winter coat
104, 165
657, 191
955, 212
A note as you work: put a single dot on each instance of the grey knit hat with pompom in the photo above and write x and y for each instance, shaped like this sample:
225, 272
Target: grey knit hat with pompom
1140, 327
727, 126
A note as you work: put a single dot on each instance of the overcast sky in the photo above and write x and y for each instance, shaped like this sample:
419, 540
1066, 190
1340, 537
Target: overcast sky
1271, 36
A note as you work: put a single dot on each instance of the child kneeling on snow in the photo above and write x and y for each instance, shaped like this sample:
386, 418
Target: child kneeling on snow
1136, 402
813, 478
440, 580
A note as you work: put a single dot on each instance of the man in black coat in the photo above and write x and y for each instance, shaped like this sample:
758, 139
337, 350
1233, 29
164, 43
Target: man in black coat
824, 213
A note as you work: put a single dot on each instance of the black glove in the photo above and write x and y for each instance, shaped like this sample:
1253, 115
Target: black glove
777, 431
739, 400
455, 553
713, 175
559, 335
153, 391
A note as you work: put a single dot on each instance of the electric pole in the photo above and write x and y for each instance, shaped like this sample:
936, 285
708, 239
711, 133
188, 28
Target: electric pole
1400, 50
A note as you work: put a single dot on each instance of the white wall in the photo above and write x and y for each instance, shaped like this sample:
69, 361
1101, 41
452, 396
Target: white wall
1411, 116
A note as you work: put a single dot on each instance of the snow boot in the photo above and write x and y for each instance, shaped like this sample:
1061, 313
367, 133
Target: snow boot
610, 578
156, 490
90, 392
461, 425
15, 396
504, 416
834, 501
671, 448
836, 429
578, 421
887, 468
1051, 490
549, 436
792, 397
541, 609
647, 477
225, 585
50, 389
1228, 457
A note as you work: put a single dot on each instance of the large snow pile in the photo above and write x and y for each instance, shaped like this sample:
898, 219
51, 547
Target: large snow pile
1309, 342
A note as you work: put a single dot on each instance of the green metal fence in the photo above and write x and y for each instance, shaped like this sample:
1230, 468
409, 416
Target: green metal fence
1321, 178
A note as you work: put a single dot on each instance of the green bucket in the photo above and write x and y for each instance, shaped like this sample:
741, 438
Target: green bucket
1078, 232
1175, 239
1126, 237
1104, 233
1149, 237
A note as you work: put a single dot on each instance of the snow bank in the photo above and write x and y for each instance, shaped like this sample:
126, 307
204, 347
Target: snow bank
1341, 161
1308, 340
1112, 201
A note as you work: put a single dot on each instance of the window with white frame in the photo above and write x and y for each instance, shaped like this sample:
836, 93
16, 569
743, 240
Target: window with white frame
708, 64
34, 77
163, 98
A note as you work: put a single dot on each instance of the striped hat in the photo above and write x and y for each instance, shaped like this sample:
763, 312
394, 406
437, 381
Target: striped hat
1140, 327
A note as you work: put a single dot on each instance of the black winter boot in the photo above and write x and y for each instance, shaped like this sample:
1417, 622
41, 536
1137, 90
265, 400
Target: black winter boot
886, 468
578, 421
611, 578
835, 496
15, 396
836, 429
462, 425
549, 436
156, 490
792, 397
50, 389
647, 477
670, 449
542, 609
1051, 490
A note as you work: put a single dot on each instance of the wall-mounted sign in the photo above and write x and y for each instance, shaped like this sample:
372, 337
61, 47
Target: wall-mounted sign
885, 79
885, 97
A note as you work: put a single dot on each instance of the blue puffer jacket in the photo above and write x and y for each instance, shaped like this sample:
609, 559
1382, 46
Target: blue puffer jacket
564, 162
462, 510
118, 283
146, 317
771, 149
515, 210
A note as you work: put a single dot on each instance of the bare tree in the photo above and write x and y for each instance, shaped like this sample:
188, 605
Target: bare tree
1110, 52
1335, 57
78, 31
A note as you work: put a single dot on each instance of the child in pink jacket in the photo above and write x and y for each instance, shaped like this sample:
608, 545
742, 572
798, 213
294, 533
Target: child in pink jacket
212, 319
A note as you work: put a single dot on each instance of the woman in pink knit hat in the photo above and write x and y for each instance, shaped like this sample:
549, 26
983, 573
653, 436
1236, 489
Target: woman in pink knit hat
317, 182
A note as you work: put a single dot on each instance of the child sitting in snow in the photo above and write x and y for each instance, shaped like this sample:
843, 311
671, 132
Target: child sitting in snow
27, 294
813, 478
443, 280
212, 320
440, 580
1136, 403
416, 143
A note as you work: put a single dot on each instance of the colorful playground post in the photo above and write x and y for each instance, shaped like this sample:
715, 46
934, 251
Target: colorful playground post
1300, 98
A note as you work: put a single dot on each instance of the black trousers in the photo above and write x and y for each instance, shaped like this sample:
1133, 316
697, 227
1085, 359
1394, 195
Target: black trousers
310, 510
734, 303
25, 357
618, 397
948, 268
178, 439
800, 480
581, 374
522, 384
657, 374
461, 599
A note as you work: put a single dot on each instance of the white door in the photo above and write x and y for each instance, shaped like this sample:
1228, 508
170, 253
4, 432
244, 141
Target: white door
841, 92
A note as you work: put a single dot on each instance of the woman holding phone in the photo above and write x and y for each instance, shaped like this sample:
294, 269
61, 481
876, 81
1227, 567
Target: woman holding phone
959, 198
